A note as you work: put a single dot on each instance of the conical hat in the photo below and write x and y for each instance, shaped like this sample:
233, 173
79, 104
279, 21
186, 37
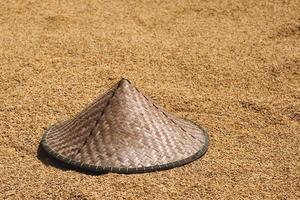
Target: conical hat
125, 132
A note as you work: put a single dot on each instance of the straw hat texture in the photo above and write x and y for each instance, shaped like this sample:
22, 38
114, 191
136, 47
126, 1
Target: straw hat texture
124, 131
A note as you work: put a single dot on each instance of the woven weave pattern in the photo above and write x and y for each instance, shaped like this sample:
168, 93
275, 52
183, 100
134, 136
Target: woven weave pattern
125, 129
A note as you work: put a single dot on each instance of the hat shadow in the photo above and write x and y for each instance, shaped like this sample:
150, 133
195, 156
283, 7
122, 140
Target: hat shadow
48, 160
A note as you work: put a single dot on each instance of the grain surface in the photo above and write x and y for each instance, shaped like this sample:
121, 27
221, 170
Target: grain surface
230, 66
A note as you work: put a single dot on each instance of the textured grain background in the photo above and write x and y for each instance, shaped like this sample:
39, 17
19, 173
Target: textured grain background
231, 66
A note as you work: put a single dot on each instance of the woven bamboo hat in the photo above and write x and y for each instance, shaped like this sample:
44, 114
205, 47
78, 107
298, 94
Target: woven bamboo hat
125, 132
